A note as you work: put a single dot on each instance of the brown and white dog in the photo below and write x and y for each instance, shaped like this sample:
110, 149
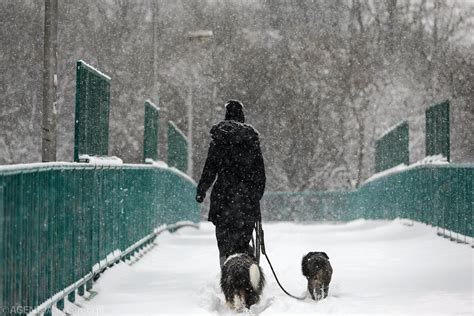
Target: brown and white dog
242, 281
318, 271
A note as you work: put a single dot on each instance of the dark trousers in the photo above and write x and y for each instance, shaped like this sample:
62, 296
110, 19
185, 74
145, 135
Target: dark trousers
233, 239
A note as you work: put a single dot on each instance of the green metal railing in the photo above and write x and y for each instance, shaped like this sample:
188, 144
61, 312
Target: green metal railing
59, 222
391, 149
177, 148
91, 135
438, 195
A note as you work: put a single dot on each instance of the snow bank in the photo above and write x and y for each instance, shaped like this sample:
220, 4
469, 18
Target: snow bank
380, 268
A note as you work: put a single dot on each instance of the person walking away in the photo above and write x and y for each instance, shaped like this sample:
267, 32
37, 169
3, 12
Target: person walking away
236, 160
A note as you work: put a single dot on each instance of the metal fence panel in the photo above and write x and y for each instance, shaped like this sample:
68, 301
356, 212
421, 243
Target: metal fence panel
177, 148
92, 111
391, 149
151, 130
437, 130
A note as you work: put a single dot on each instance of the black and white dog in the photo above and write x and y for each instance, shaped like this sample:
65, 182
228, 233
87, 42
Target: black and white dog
242, 281
317, 269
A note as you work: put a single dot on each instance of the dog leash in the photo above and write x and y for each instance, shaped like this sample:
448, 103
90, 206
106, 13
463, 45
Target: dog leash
259, 236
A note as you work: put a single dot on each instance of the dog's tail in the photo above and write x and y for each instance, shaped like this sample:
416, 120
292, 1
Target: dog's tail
254, 273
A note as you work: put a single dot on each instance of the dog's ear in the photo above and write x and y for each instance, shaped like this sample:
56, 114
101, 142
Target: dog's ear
309, 255
324, 255
305, 257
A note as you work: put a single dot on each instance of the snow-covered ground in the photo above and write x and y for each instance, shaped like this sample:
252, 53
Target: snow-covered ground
380, 267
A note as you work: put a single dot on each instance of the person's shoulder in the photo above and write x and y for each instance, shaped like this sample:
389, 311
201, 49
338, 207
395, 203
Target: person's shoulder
232, 130
215, 127
251, 129
251, 133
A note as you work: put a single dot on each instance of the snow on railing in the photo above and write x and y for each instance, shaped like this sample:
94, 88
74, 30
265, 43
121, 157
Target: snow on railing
156, 163
432, 160
101, 160
429, 160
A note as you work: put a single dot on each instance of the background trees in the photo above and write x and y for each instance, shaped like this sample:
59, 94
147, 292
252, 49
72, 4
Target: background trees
321, 80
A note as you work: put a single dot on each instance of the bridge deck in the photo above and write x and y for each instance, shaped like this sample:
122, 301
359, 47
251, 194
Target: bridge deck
379, 267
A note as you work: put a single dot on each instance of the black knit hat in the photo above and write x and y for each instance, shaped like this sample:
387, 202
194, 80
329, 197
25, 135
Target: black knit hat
234, 110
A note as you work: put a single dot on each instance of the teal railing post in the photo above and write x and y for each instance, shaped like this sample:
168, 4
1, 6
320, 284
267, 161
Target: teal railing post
437, 140
150, 131
391, 149
177, 148
91, 132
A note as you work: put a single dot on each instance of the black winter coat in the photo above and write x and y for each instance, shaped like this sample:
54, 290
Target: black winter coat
236, 160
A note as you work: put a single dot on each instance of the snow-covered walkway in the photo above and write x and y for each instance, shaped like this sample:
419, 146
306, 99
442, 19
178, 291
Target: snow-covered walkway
380, 267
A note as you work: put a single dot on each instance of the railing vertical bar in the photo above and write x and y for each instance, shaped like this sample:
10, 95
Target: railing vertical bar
71, 234
89, 187
62, 241
25, 240
34, 235
31, 227
11, 244
18, 237
3, 284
